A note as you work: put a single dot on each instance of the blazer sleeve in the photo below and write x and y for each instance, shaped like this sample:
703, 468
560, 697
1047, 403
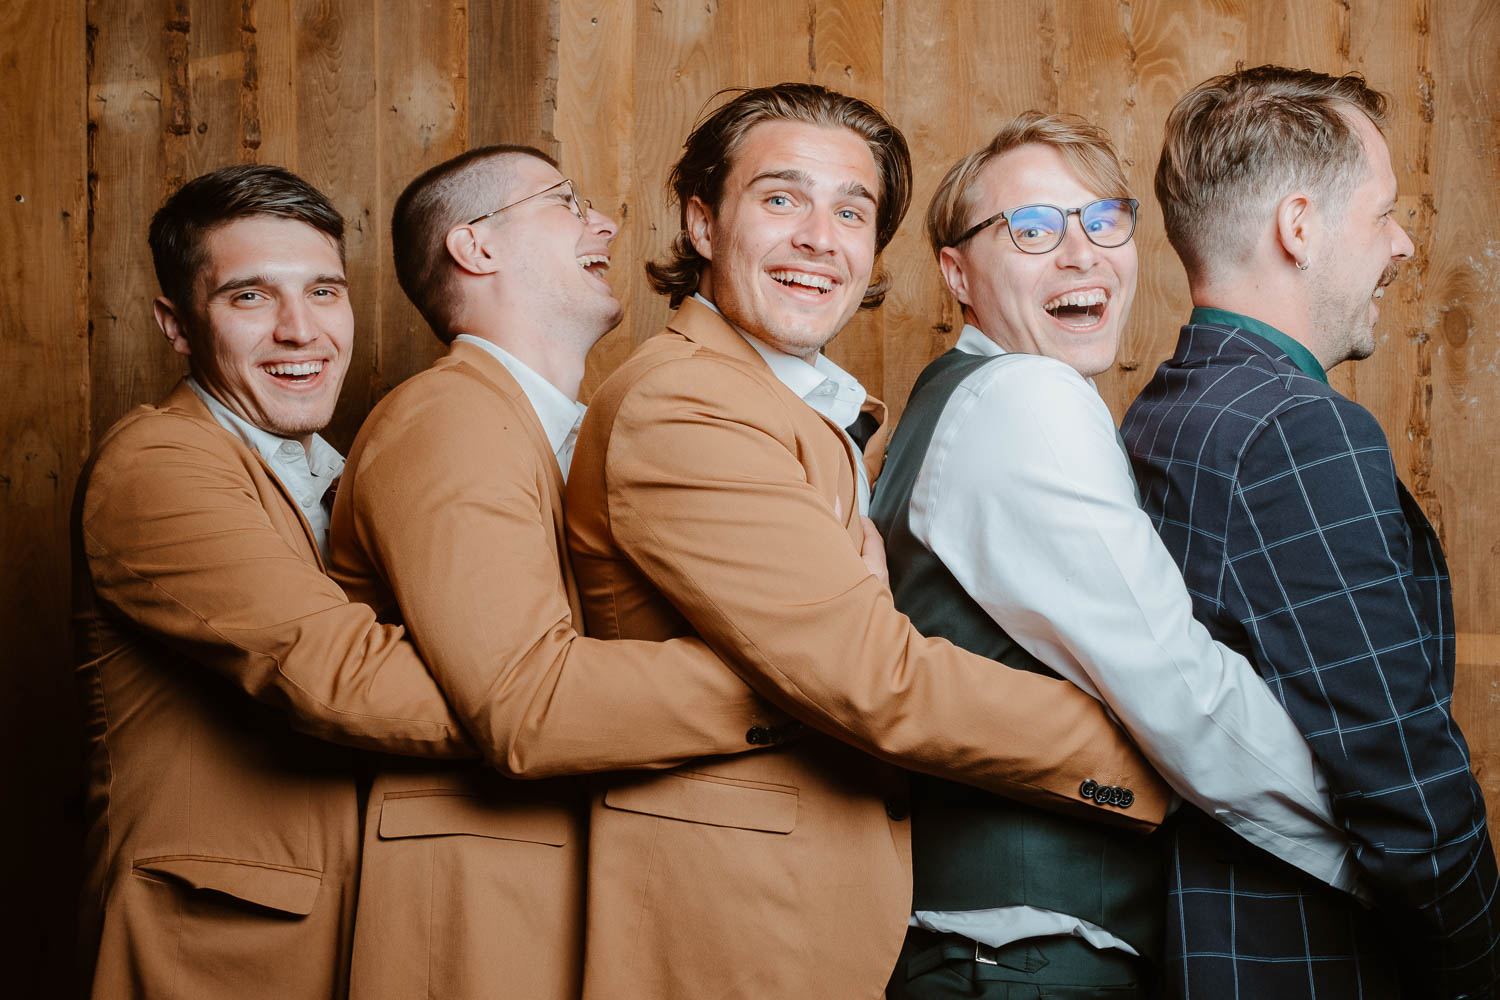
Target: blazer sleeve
446, 502
178, 542
709, 498
1322, 566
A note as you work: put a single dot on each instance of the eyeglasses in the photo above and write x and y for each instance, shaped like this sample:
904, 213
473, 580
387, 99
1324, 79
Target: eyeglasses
579, 206
1108, 222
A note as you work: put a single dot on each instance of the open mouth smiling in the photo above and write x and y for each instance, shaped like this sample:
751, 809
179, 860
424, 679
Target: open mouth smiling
1082, 308
819, 283
293, 371
596, 264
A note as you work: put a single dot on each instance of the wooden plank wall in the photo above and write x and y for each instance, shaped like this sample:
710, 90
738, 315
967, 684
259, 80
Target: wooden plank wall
115, 103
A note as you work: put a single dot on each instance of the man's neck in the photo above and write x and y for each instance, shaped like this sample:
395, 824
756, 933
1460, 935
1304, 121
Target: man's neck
560, 362
1273, 303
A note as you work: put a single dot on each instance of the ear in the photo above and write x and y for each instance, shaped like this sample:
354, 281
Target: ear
172, 324
1296, 227
469, 251
951, 263
700, 227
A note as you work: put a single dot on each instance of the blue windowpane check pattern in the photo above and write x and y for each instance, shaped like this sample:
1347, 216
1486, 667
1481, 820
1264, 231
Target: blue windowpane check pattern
1279, 501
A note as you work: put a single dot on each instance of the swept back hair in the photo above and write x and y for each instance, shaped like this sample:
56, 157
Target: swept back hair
1237, 144
708, 158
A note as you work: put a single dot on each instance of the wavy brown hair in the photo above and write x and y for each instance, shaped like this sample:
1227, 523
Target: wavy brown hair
708, 158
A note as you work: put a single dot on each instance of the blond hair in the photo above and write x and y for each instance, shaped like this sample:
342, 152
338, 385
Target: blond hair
1084, 146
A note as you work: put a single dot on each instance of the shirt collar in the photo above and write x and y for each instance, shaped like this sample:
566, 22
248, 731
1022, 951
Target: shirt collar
559, 415
1299, 354
823, 385
319, 459
973, 341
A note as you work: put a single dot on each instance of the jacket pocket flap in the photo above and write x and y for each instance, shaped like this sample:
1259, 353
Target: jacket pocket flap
286, 889
709, 799
429, 814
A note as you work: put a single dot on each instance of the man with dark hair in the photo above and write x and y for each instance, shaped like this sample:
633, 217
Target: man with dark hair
1280, 502
449, 520
223, 843
716, 492
1014, 530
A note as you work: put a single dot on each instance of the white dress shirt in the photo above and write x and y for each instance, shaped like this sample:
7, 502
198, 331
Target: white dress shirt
1027, 497
824, 386
307, 473
560, 416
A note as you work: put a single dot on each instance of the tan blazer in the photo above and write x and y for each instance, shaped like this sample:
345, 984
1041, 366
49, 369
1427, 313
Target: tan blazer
221, 843
707, 498
449, 518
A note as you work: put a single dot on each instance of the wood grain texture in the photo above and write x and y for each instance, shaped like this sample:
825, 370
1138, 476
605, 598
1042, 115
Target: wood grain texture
44, 353
119, 102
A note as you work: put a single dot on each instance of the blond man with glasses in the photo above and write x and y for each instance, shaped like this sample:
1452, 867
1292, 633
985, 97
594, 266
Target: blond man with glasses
1013, 530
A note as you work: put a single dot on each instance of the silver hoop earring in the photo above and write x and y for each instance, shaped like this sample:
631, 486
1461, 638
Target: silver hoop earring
1302, 265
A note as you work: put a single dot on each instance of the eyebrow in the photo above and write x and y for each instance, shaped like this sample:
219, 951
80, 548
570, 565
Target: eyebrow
850, 189
256, 280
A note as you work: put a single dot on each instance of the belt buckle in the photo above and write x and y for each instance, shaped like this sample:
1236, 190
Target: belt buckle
979, 949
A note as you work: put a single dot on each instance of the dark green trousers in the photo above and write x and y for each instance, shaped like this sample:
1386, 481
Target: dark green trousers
943, 966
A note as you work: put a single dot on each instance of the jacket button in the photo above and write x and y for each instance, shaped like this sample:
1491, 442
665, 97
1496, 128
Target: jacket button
758, 735
1127, 798
897, 809
1088, 788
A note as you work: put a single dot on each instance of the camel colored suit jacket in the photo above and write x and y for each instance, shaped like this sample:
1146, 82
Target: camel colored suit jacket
449, 518
705, 498
222, 844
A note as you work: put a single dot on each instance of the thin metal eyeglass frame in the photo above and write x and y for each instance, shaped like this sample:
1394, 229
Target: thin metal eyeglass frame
579, 205
1062, 231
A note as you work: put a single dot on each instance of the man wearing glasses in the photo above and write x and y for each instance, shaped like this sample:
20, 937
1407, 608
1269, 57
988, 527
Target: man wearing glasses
1013, 529
449, 520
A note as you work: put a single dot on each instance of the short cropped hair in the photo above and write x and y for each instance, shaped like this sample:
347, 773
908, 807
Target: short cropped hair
1237, 144
708, 158
180, 227
447, 195
1084, 147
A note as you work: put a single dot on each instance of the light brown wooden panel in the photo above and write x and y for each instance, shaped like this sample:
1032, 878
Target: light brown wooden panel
421, 60
128, 100
596, 143
512, 71
43, 441
1457, 87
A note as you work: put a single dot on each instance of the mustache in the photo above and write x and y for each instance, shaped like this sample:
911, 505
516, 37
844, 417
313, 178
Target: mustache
1388, 276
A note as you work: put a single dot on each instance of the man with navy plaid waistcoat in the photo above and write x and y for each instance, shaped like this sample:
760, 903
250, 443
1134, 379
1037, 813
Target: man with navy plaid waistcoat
1280, 502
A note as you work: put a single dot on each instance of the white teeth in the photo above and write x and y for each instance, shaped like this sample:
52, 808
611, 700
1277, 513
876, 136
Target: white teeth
1087, 297
588, 260
818, 281
294, 368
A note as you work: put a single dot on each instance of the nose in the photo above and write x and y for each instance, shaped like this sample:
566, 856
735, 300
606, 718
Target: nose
1076, 250
603, 224
1402, 247
294, 323
814, 232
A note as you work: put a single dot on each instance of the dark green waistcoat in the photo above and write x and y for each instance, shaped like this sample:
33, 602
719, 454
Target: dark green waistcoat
972, 850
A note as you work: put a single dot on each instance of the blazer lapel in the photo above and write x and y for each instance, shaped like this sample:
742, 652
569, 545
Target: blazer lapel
702, 325
502, 382
182, 397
